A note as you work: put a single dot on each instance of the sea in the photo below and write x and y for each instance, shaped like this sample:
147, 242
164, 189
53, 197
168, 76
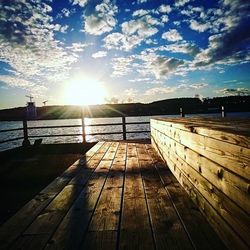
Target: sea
78, 130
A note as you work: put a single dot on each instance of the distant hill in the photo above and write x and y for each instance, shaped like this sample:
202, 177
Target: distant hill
163, 107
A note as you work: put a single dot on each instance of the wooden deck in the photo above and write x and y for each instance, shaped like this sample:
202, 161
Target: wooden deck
119, 195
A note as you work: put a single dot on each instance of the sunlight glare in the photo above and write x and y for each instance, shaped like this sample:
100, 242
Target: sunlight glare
84, 91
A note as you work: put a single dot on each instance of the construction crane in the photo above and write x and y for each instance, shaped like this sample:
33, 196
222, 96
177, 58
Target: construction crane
31, 97
44, 103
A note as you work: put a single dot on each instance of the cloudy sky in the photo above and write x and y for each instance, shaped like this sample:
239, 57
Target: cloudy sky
106, 50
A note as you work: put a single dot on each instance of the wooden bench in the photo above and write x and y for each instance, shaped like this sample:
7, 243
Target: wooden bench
210, 157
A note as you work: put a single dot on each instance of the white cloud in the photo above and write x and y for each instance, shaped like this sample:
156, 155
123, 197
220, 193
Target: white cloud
131, 92
142, 1
36, 90
81, 3
164, 19
134, 33
64, 28
28, 44
120, 41
164, 8
66, 12
198, 85
172, 35
232, 92
179, 3
121, 66
113, 40
184, 47
144, 26
226, 48
159, 90
158, 66
130, 95
200, 27
163, 66
78, 47
99, 54
140, 12
151, 41
14, 81
140, 79
102, 20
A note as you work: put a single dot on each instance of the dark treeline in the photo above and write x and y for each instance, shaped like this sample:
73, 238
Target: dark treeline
163, 107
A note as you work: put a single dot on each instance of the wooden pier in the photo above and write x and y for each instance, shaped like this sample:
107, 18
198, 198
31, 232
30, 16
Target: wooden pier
119, 195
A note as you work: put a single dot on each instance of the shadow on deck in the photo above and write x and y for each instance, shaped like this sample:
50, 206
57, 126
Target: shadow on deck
118, 195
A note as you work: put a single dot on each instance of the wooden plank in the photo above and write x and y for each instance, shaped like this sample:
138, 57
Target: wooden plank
235, 187
168, 230
225, 132
201, 233
237, 128
135, 232
101, 240
230, 238
239, 135
232, 157
10, 231
221, 203
71, 230
48, 220
103, 230
106, 214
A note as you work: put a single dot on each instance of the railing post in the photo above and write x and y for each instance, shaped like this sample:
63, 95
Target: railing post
182, 113
83, 129
223, 112
124, 128
26, 141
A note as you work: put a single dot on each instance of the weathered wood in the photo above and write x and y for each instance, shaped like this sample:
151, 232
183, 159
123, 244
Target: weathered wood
103, 229
135, 232
116, 197
231, 238
233, 157
10, 231
168, 230
212, 164
201, 233
71, 230
49, 218
103, 240
221, 203
235, 131
232, 185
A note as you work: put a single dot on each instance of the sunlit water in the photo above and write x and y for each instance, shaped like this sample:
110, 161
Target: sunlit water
89, 130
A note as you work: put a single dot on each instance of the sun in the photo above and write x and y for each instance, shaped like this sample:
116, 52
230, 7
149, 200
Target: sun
82, 90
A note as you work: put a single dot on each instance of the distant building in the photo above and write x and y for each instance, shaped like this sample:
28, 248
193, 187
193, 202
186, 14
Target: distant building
31, 110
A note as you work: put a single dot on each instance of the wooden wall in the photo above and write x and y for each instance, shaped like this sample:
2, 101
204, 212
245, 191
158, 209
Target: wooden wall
212, 164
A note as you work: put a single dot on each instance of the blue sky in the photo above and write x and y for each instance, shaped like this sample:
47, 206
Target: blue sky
122, 51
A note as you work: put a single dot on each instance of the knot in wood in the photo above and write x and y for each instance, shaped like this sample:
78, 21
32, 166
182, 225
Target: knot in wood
200, 169
211, 188
220, 173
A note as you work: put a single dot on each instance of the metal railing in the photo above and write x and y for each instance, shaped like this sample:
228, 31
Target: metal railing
123, 132
123, 124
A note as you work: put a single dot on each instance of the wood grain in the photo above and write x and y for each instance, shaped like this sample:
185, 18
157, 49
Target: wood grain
212, 169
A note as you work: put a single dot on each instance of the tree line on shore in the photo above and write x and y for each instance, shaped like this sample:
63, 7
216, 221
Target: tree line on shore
163, 107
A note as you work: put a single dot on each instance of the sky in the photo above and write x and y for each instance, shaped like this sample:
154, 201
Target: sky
106, 51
